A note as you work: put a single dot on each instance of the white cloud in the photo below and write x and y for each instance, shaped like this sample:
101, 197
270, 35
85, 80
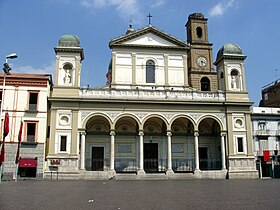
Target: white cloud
126, 8
220, 8
157, 3
47, 69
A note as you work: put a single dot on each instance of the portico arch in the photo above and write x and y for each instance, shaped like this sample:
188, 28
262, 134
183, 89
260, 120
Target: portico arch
209, 145
97, 142
155, 144
126, 141
182, 128
97, 114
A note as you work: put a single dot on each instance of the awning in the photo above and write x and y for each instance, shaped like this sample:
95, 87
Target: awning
28, 162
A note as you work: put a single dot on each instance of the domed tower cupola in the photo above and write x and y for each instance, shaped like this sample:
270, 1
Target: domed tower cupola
231, 73
69, 41
69, 56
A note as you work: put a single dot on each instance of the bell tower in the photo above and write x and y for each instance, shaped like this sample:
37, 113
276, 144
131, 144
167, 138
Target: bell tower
69, 56
231, 72
200, 64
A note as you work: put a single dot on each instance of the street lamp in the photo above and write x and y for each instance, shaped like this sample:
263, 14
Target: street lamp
7, 70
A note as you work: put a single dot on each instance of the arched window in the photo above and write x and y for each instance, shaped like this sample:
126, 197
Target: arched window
150, 71
235, 80
199, 32
205, 84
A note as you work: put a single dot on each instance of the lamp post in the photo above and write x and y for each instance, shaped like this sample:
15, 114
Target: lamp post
7, 70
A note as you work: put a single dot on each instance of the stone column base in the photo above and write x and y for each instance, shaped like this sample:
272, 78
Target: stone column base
112, 173
141, 173
169, 172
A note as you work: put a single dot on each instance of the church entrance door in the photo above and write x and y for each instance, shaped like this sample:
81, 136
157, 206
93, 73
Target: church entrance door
151, 157
97, 159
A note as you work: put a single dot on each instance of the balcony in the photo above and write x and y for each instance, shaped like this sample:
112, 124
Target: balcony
263, 132
155, 95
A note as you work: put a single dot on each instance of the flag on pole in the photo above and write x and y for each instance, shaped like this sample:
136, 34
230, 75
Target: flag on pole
19, 141
6, 125
6, 132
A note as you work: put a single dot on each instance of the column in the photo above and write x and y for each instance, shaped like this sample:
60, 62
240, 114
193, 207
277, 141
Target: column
141, 151
112, 151
223, 154
196, 150
169, 157
83, 148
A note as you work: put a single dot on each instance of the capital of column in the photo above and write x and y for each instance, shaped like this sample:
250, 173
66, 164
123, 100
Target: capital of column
141, 133
169, 133
83, 133
112, 133
196, 134
223, 134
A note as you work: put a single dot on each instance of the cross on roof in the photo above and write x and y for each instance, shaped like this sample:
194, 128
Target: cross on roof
149, 16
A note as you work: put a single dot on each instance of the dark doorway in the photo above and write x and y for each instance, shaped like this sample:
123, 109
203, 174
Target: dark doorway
97, 159
151, 157
203, 158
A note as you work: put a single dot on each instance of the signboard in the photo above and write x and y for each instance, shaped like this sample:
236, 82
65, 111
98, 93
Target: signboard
266, 155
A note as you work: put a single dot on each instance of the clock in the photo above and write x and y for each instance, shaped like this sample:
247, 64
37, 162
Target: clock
201, 61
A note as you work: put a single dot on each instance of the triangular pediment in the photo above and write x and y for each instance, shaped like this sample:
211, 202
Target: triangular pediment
148, 37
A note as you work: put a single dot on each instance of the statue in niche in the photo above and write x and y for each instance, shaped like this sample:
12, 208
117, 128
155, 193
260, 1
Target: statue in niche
67, 77
233, 82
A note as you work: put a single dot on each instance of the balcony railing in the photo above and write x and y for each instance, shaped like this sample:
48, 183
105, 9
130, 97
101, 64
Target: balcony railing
263, 132
32, 107
30, 138
171, 95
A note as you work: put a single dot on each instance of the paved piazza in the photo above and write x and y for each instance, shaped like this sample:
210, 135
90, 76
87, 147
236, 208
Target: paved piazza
175, 194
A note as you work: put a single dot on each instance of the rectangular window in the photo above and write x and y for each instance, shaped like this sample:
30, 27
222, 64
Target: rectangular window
31, 131
240, 144
63, 143
33, 100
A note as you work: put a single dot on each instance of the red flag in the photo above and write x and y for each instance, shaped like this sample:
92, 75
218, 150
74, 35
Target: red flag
19, 141
6, 125
6, 132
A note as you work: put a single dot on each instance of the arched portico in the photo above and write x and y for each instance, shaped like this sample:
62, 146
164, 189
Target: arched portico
156, 149
95, 143
126, 141
210, 144
182, 129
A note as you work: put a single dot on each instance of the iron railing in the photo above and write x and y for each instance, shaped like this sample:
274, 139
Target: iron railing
152, 165
97, 164
210, 164
183, 165
32, 107
125, 165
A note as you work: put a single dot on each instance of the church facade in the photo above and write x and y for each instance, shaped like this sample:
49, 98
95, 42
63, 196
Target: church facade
165, 111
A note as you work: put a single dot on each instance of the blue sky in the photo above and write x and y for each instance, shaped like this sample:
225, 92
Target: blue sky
32, 28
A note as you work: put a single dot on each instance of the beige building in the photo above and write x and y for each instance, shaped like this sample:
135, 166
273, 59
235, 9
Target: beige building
26, 99
165, 111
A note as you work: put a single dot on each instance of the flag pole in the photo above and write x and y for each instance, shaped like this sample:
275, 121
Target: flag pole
2, 122
18, 149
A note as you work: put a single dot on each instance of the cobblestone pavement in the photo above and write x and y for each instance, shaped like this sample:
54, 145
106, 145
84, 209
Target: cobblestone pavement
122, 195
